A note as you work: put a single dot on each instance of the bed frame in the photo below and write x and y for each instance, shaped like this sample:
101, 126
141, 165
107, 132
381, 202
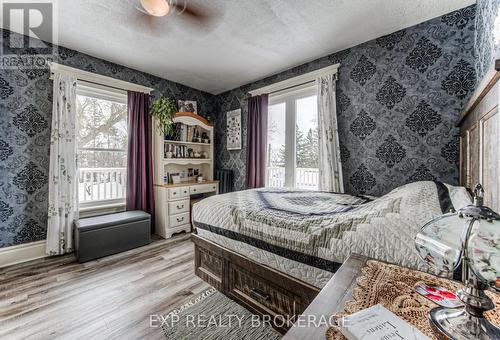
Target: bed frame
261, 289
266, 291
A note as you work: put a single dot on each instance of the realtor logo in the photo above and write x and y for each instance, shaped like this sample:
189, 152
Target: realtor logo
32, 27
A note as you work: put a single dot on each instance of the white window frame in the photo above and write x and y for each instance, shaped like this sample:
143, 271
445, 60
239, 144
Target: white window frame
289, 97
95, 78
98, 207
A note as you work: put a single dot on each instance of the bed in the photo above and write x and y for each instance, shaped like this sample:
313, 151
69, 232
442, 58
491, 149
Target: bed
273, 273
272, 249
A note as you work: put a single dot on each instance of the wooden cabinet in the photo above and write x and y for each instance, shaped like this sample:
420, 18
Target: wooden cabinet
480, 140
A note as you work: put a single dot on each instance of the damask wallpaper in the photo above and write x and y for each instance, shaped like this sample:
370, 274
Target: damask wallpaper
487, 50
25, 117
398, 99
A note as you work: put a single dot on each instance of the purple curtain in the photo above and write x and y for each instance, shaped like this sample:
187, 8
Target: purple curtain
139, 160
256, 141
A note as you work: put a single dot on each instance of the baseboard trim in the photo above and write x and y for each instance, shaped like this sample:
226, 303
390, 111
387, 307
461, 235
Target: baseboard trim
22, 253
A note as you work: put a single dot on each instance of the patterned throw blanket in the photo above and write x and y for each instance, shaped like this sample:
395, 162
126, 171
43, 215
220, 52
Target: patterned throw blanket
321, 229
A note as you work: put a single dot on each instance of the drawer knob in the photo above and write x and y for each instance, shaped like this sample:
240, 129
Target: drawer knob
180, 207
194, 190
185, 191
180, 219
174, 193
260, 295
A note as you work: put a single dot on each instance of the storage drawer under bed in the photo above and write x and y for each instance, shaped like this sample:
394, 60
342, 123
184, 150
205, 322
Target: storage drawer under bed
262, 293
260, 289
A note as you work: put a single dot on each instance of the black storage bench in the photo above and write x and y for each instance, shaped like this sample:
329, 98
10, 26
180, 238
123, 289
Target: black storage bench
101, 236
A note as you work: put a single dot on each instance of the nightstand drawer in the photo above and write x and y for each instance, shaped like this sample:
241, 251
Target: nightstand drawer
178, 207
178, 192
179, 219
203, 188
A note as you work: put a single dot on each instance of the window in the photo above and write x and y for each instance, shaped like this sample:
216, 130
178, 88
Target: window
292, 154
102, 146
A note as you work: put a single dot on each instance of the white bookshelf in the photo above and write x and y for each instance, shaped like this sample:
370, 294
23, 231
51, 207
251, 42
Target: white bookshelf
172, 201
187, 161
186, 143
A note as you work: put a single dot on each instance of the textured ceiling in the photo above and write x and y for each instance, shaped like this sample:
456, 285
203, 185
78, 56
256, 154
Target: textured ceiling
248, 40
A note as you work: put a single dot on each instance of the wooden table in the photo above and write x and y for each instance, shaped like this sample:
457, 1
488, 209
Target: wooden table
331, 299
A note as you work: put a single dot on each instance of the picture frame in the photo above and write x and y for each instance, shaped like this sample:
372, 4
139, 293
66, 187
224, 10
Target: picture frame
187, 106
233, 128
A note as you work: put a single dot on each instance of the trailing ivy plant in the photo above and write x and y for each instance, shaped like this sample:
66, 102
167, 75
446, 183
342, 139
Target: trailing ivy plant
164, 110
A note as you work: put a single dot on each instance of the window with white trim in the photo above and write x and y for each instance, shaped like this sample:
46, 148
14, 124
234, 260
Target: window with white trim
102, 146
292, 150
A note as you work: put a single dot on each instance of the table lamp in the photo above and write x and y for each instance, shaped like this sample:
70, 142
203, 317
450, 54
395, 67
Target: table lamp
471, 237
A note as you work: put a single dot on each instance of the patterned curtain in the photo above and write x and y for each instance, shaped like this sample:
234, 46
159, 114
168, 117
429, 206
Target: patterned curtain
330, 166
63, 174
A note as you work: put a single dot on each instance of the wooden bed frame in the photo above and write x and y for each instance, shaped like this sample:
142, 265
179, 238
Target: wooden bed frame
261, 289
266, 291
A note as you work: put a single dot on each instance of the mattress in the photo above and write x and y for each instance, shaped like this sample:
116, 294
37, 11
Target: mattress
308, 234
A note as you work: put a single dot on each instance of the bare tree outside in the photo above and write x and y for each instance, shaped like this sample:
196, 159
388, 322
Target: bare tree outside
102, 133
305, 170
275, 156
102, 149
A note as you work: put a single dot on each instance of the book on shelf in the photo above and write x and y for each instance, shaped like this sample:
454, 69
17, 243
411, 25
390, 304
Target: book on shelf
184, 133
377, 322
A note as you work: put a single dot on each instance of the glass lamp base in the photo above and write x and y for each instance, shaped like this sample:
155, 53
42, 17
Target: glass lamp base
456, 323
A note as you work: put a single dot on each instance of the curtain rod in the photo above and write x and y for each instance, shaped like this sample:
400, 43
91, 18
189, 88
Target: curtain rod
98, 79
293, 86
296, 81
297, 85
104, 85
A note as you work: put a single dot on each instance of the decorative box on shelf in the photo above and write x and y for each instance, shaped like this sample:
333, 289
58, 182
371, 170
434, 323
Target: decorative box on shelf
185, 155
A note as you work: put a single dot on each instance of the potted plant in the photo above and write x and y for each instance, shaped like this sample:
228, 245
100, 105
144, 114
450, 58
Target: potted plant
164, 110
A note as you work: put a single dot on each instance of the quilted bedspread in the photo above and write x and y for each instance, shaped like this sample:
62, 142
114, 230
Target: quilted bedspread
321, 229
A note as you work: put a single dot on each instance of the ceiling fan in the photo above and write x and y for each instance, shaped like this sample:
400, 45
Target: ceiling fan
161, 8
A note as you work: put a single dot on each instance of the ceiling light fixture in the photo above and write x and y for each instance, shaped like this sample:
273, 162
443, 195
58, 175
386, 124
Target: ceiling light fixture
157, 8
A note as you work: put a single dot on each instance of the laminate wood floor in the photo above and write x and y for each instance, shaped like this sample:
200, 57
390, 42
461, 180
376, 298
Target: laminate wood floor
110, 298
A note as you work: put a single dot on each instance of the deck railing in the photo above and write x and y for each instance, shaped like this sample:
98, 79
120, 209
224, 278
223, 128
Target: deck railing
275, 177
99, 184
305, 178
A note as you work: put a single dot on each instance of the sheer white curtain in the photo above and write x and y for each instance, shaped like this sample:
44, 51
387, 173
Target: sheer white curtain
63, 175
330, 166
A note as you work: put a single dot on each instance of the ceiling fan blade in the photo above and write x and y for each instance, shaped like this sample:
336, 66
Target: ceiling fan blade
136, 4
194, 13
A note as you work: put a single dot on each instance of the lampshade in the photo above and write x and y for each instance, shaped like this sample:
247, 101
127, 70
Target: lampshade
439, 242
440, 245
484, 252
471, 237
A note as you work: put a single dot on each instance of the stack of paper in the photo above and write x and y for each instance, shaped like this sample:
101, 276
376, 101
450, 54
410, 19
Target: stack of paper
378, 322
